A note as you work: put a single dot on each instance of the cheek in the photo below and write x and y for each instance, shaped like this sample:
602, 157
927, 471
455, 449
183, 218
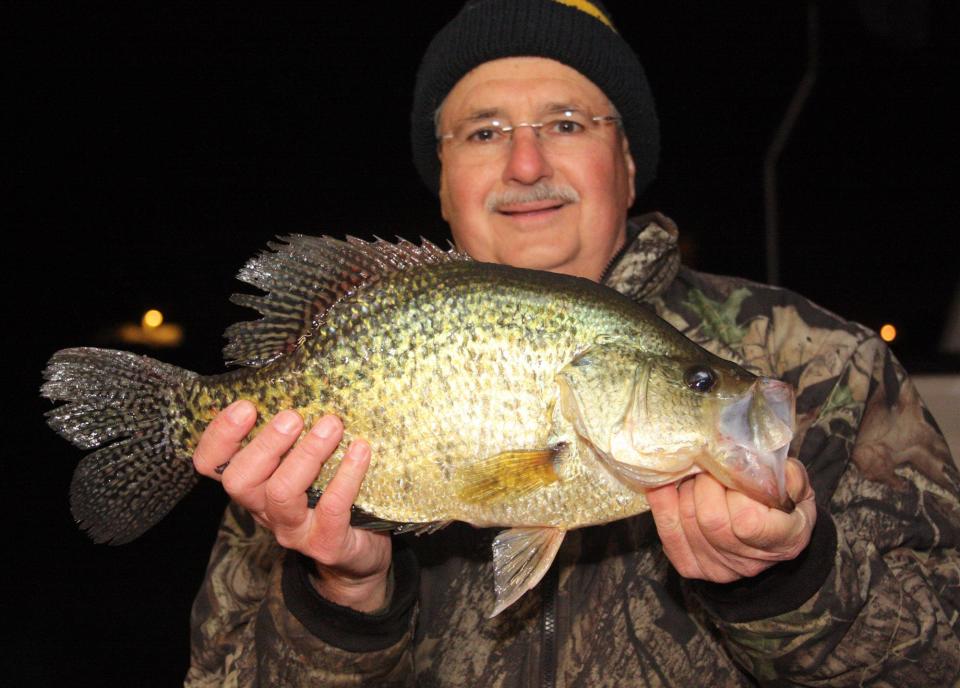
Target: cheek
462, 205
462, 194
605, 178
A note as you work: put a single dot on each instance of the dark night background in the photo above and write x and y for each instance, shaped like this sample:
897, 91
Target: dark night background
151, 151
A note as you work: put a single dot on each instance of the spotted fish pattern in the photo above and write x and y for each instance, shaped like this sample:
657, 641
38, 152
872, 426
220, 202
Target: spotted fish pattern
884, 610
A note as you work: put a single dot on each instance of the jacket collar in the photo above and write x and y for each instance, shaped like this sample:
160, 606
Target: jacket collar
649, 260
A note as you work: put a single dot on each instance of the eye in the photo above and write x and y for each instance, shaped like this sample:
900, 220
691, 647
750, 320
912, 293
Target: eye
484, 135
700, 378
565, 127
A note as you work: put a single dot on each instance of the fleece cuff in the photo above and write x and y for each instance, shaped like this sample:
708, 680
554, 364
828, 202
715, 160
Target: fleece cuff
346, 628
781, 588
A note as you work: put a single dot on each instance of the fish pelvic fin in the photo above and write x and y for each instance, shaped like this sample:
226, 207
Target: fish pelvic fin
367, 521
508, 474
121, 404
521, 557
304, 277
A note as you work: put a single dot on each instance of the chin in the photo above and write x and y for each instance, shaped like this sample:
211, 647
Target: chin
541, 255
537, 263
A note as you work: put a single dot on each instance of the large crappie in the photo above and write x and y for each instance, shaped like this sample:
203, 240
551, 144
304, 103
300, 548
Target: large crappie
489, 394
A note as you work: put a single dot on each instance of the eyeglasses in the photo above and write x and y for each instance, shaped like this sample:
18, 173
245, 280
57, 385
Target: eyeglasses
567, 129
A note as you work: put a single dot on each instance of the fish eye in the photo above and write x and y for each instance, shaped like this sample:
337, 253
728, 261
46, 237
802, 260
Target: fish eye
700, 378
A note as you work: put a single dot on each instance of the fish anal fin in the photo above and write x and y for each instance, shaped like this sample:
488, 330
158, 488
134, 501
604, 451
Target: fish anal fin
521, 557
508, 474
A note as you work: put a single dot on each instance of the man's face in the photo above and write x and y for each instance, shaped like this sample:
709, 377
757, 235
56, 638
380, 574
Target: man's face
489, 199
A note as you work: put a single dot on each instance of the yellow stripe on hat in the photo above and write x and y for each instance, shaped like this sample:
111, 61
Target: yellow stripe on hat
589, 8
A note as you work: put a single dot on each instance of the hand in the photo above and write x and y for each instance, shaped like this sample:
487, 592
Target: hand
712, 533
270, 476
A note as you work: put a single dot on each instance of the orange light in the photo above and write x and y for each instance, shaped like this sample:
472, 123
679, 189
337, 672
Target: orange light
167, 334
152, 331
888, 333
152, 318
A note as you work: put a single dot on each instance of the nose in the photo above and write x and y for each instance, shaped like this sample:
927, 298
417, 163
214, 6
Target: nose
526, 162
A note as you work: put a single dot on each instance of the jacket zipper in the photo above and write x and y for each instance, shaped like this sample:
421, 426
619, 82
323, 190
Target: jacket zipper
548, 629
632, 233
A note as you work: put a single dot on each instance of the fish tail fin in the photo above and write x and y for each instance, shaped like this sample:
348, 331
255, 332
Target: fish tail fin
126, 407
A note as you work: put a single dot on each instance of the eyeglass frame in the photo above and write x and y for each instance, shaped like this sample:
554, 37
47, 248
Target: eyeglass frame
534, 126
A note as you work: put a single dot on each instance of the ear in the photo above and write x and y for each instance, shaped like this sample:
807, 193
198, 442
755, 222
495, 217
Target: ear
443, 200
443, 189
631, 170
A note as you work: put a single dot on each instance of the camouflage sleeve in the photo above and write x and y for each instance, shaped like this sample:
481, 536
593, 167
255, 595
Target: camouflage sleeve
886, 611
257, 620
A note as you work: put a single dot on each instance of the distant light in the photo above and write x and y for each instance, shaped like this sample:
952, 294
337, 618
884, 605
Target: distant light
152, 318
888, 333
151, 331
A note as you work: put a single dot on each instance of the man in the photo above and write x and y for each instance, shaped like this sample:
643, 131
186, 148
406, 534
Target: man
533, 122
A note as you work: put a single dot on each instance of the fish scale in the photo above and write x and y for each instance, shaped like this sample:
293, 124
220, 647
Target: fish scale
489, 394
461, 371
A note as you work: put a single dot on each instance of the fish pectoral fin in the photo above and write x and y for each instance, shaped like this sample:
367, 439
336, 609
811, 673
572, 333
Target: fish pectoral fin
521, 557
508, 474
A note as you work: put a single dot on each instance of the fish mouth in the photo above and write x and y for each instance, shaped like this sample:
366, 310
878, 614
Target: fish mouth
755, 431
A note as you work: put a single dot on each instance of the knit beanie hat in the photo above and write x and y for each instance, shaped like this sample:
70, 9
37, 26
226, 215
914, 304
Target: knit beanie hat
577, 33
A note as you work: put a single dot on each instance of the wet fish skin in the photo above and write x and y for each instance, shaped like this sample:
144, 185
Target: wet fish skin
467, 380
489, 394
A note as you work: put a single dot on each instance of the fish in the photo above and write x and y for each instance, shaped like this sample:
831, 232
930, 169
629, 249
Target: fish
493, 395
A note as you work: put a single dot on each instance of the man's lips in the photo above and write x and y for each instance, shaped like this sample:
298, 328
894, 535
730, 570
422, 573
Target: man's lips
530, 208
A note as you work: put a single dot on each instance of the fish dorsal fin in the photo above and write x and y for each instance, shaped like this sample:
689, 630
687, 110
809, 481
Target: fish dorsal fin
305, 276
521, 557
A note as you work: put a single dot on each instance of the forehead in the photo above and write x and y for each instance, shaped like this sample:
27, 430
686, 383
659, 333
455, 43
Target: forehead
518, 83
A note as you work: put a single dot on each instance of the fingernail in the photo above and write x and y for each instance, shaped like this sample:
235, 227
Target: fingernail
286, 422
239, 412
360, 451
325, 427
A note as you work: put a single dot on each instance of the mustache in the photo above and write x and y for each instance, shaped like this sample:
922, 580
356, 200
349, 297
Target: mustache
541, 191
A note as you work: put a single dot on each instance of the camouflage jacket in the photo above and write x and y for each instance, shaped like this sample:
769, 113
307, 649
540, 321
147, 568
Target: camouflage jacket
874, 600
